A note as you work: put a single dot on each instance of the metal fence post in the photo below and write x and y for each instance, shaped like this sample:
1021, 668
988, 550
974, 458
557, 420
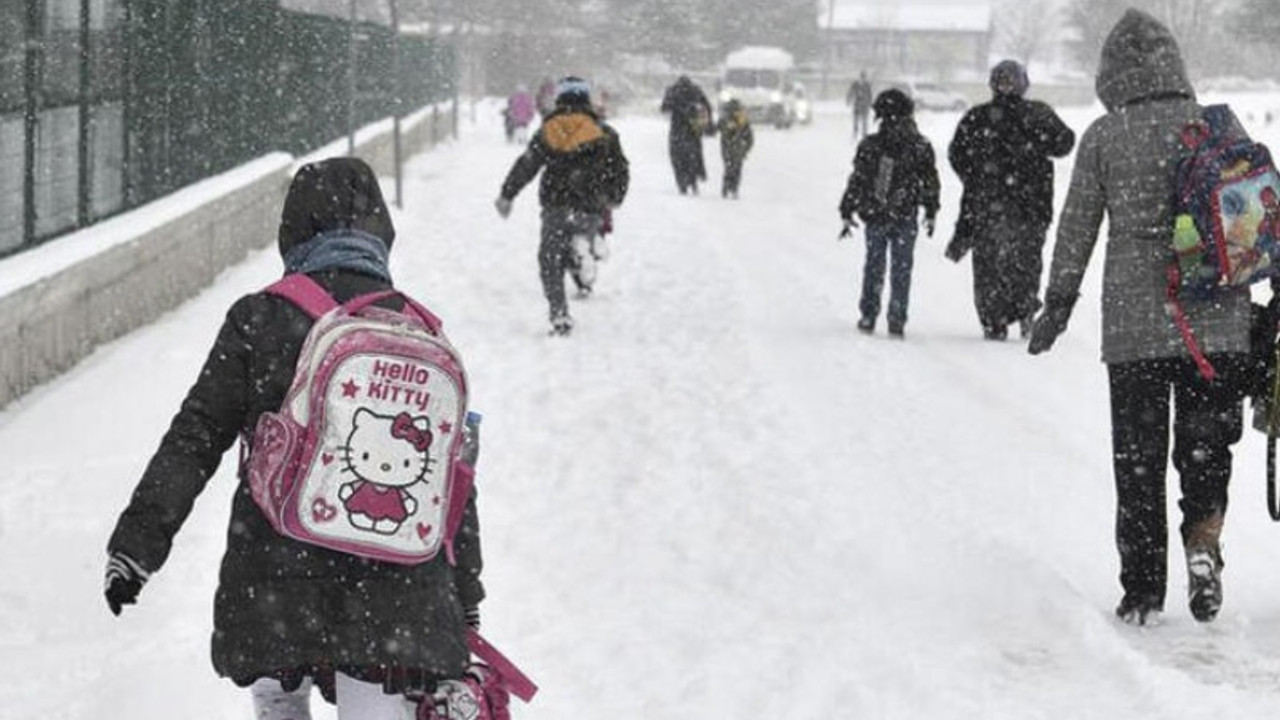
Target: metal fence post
351, 84
395, 102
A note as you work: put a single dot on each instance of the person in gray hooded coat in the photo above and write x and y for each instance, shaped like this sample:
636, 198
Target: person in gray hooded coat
1124, 170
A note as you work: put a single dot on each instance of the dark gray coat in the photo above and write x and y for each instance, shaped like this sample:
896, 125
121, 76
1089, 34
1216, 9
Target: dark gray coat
283, 607
1124, 171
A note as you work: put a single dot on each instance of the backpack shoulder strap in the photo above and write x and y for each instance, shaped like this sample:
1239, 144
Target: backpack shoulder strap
304, 292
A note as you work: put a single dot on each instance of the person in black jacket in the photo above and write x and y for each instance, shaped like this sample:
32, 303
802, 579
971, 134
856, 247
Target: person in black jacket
690, 119
288, 615
1003, 152
586, 176
894, 175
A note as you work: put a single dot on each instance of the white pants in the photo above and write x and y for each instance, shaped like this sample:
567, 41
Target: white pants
356, 701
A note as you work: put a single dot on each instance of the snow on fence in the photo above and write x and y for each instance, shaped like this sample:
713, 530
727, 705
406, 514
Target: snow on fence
62, 299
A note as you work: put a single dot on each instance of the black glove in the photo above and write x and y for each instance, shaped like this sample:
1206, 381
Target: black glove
124, 580
847, 230
930, 223
503, 206
471, 616
1051, 322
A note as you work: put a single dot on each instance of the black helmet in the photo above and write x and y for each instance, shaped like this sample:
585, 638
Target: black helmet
892, 104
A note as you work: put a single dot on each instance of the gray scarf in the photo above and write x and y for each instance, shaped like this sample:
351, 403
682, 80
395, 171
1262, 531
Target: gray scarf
344, 249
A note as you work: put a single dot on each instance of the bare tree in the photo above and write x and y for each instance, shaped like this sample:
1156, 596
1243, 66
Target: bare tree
1027, 28
1197, 24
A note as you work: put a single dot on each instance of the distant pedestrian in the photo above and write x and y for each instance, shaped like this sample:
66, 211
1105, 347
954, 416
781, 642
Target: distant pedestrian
894, 176
546, 97
690, 113
519, 113
736, 140
1003, 151
859, 99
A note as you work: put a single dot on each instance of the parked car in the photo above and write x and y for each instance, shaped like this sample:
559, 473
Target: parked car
932, 96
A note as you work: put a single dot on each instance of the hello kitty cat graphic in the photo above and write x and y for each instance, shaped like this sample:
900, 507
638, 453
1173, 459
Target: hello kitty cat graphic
386, 454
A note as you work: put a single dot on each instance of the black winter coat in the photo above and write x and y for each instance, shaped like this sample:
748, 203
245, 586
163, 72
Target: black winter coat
284, 607
691, 118
585, 168
894, 174
1003, 151
736, 136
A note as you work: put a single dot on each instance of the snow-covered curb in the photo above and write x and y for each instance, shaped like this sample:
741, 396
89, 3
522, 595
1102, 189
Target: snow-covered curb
60, 300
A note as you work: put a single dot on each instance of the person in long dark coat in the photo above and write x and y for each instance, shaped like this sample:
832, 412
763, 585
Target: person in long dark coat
1003, 151
289, 614
690, 113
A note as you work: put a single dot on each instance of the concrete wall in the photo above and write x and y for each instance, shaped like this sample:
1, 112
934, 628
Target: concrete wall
159, 255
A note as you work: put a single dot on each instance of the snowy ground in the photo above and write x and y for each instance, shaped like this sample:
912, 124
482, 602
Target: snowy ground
715, 500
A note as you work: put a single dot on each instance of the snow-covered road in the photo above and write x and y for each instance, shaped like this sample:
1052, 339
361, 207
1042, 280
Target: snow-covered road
716, 499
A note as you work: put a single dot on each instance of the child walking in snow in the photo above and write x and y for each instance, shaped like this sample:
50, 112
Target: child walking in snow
736, 140
894, 175
584, 175
288, 615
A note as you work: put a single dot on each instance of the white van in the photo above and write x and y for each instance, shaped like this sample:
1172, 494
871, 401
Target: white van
760, 78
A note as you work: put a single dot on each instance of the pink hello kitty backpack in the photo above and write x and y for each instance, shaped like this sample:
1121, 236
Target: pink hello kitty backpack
363, 456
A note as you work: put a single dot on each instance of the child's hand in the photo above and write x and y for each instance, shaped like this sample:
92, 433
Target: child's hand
847, 230
124, 580
503, 206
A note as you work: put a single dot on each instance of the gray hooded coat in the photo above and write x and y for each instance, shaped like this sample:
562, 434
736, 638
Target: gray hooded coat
1124, 170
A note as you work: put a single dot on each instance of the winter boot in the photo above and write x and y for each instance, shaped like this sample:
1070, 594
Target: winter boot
867, 325
995, 332
896, 331
561, 324
1140, 611
1204, 568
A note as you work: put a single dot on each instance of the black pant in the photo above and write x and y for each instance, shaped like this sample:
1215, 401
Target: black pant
555, 253
1207, 421
732, 174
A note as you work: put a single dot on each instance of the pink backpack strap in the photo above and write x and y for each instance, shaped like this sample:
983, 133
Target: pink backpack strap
304, 292
311, 296
1184, 327
516, 682
460, 485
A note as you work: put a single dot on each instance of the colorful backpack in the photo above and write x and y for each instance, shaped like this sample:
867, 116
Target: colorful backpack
1226, 216
363, 456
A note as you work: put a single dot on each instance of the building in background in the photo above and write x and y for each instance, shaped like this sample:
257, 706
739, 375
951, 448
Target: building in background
889, 40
